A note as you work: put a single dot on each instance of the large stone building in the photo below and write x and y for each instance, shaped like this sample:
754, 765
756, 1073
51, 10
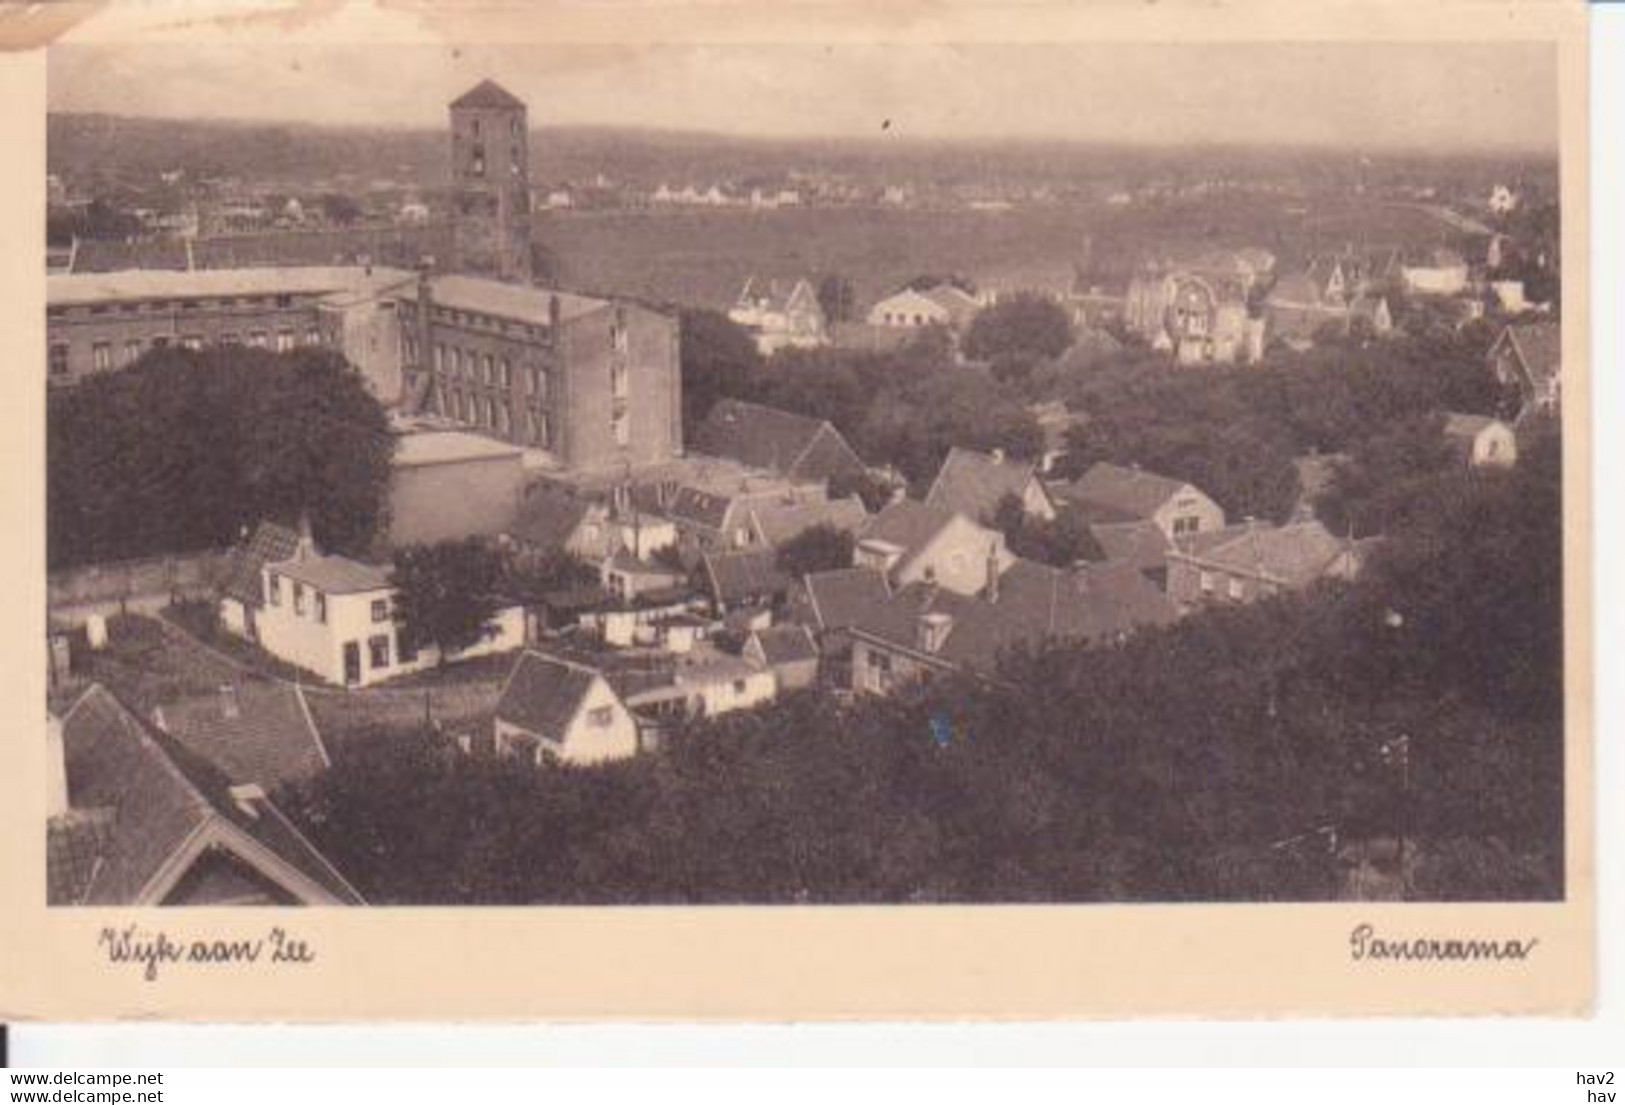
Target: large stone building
590, 383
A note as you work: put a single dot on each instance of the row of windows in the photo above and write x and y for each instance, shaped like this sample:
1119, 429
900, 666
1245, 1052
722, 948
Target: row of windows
484, 367
105, 355
311, 602
135, 307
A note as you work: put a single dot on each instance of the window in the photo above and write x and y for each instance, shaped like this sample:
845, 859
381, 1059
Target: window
1236, 591
507, 373
488, 370
620, 384
600, 717
514, 127
257, 339
380, 610
59, 359
1186, 524
273, 589
160, 343
618, 339
378, 651
313, 336
230, 337
321, 607
298, 597
132, 352
880, 662
101, 356
439, 357
623, 427
1204, 582
739, 686
284, 340
192, 341
538, 382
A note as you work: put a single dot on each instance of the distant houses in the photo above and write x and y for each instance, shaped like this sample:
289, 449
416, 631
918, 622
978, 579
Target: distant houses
1254, 560
946, 305
1527, 358
1198, 309
1111, 493
1480, 441
781, 315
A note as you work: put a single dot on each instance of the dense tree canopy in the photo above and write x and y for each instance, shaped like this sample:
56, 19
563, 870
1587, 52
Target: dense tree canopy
185, 449
719, 360
1022, 325
446, 594
816, 549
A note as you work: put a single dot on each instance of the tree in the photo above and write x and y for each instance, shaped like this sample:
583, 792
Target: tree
815, 549
186, 449
1025, 324
446, 594
719, 360
340, 208
837, 299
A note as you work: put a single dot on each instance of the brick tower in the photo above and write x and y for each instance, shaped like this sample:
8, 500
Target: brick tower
490, 177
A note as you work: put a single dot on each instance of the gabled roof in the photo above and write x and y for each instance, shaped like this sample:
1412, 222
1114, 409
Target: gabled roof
776, 521
1538, 347
743, 575
269, 543
544, 694
757, 435
1295, 555
163, 801
255, 731
488, 95
548, 517
1129, 493
1035, 605
333, 575
839, 598
785, 644
908, 524
972, 483
777, 295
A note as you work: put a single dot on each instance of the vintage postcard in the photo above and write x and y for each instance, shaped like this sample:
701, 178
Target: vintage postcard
695, 511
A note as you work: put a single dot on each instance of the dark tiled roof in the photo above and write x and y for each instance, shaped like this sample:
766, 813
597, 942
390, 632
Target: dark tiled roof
1035, 604
161, 795
763, 437
488, 94
1142, 544
745, 574
972, 483
270, 739
74, 842
1127, 492
548, 517
786, 644
544, 694
270, 542
839, 597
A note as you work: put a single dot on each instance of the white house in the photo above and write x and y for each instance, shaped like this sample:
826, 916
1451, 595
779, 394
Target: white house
334, 617
1481, 442
943, 305
1442, 272
553, 708
1503, 200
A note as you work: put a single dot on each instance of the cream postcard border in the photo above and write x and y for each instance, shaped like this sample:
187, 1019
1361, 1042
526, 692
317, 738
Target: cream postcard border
767, 963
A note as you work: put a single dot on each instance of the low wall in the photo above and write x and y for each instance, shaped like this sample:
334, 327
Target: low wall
73, 594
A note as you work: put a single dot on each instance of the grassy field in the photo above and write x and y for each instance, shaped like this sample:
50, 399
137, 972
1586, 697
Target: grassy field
702, 258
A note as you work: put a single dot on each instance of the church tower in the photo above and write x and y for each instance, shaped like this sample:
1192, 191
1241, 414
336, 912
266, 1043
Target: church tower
490, 178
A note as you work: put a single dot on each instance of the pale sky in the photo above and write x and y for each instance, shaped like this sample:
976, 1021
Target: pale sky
1432, 96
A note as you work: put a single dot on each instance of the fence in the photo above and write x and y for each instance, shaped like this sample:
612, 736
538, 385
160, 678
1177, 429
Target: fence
138, 585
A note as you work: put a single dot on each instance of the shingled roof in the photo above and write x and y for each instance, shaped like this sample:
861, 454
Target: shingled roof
907, 523
1294, 555
776, 521
269, 543
543, 694
744, 575
488, 95
785, 644
256, 731
548, 517
160, 805
838, 598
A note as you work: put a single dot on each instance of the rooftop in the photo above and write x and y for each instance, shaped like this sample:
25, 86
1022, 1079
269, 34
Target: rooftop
334, 575
972, 483
418, 448
516, 302
489, 95
70, 289
543, 693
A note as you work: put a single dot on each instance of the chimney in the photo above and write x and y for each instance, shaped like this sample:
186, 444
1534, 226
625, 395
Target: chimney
56, 768
248, 796
993, 571
307, 539
932, 631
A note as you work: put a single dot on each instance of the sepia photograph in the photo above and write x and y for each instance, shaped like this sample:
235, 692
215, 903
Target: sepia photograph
745, 479
804, 475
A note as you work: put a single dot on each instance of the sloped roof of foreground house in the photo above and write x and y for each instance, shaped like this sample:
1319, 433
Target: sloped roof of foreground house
838, 598
744, 574
270, 542
1296, 554
543, 694
776, 521
154, 807
785, 644
757, 435
255, 730
548, 517
908, 524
